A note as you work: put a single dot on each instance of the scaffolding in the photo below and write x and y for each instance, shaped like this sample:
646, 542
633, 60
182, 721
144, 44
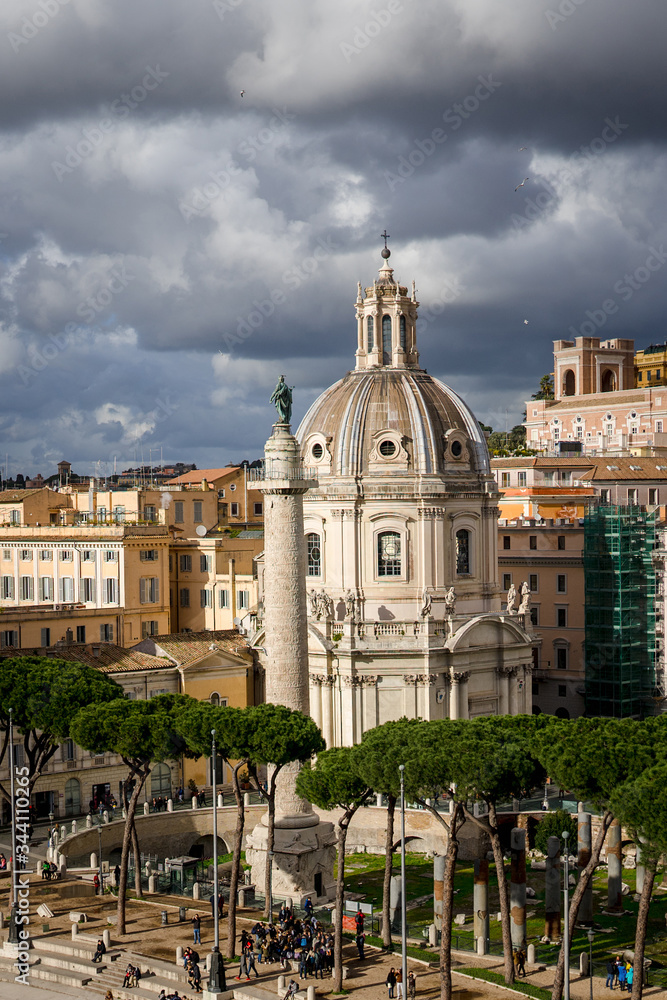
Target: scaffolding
620, 582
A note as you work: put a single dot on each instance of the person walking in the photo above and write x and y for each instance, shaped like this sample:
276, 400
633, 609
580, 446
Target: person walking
521, 962
243, 968
412, 986
196, 928
399, 984
390, 983
622, 975
360, 938
250, 960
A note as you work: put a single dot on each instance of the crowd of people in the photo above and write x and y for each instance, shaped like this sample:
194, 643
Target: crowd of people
621, 973
300, 944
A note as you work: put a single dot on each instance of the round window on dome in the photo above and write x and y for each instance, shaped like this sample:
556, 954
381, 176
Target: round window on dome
317, 451
457, 449
387, 448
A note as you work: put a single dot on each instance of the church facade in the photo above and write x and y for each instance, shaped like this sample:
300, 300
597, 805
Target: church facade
400, 540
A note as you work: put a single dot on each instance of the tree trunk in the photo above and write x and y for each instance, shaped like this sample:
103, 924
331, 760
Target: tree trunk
140, 778
137, 861
448, 905
388, 869
236, 861
270, 838
582, 885
640, 933
494, 836
343, 824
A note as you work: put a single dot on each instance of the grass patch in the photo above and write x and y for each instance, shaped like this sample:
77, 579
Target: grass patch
496, 977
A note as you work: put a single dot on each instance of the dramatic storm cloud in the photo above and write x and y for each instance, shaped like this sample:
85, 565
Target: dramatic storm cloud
168, 247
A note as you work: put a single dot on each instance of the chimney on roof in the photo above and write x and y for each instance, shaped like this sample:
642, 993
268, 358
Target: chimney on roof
95, 651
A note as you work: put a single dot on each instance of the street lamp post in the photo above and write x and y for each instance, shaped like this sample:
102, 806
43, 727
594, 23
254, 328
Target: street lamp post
591, 937
99, 856
566, 918
404, 925
216, 980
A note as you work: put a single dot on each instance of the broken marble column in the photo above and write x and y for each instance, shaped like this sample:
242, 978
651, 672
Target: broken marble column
518, 888
438, 888
552, 890
395, 914
584, 845
481, 901
614, 868
640, 868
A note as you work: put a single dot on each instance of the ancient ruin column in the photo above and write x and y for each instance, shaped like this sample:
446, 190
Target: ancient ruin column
309, 869
480, 905
584, 845
438, 889
552, 890
640, 869
614, 871
327, 711
518, 888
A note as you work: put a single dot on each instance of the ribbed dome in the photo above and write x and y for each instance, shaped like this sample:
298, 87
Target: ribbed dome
432, 428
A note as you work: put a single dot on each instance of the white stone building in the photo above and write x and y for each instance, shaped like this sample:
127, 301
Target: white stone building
405, 510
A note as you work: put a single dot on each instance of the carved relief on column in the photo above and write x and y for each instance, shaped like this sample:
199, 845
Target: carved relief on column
460, 676
349, 682
431, 512
369, 679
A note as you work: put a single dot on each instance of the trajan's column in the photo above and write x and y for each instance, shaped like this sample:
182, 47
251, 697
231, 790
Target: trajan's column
304, 848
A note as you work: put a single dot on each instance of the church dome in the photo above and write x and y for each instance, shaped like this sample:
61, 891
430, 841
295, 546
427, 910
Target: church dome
389, 416
393, 421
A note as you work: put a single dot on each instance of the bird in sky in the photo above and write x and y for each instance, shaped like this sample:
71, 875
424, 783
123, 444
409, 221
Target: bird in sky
243, 93
525, 322
522, 183
523, 149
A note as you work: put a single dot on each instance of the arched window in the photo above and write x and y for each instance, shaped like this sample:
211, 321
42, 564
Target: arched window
215, 698
402, 333
369, 332
462, 551
389, 553
161, 780
568, 383
562, 713
386, 340
72, 797
314, 549
608, 381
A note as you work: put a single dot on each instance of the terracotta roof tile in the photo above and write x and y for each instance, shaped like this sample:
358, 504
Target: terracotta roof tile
188, 647
197, 475
111, 660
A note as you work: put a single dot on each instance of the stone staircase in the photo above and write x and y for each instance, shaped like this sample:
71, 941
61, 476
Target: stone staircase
70, 964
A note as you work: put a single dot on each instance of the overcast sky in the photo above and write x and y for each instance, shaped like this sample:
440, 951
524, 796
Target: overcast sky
168, 247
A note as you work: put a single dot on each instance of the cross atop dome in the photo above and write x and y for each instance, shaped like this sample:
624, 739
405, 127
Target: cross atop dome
386, 320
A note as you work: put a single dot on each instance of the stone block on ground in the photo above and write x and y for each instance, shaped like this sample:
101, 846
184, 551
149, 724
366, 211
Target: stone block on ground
460, 919
44, 911
77, 917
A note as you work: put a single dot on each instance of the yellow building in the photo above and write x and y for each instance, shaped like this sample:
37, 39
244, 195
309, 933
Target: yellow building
33, 507
217, 667
213, 579
106, 583
651, 366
